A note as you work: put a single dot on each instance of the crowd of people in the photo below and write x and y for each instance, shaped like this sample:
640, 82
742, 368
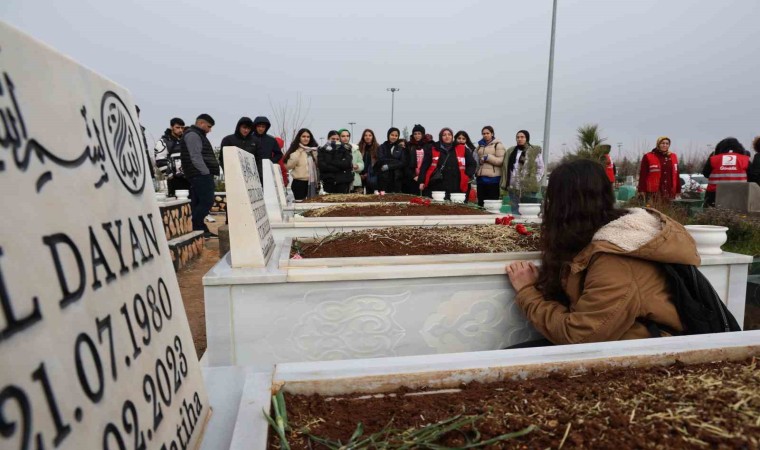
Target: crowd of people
607, 249
418, 166
730, 162
453, 163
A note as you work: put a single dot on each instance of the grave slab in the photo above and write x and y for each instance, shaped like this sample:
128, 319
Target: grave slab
95, 346
738, 196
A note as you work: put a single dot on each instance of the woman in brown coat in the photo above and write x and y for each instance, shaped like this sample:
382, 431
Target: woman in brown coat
600, 278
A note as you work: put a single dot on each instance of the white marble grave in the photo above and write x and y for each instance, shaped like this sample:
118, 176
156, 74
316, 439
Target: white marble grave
321, 309
95, 348
251, 241
371, 376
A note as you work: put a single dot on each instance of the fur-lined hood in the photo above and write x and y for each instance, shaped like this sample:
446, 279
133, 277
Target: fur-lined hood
642, 233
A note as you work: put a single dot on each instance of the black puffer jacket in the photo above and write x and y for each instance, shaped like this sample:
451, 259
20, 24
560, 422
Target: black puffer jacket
336, 163
236, 139
394, 157
207, 153
266, 145
753, 173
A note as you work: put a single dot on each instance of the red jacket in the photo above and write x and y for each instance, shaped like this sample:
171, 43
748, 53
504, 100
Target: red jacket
727, 168
650, 173
464, 180
609, 167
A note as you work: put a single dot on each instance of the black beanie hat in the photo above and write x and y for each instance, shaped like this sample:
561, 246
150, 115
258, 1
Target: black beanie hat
207, 118
391, 130
418, 127
527, 135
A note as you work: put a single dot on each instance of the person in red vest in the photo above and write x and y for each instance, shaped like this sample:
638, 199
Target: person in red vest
283, 169
446, 166
728, 164
609, 166
658, 175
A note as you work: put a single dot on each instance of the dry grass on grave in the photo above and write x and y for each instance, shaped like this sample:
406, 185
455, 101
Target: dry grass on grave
404, 241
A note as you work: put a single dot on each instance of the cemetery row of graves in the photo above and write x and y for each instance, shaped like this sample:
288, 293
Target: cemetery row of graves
329, 324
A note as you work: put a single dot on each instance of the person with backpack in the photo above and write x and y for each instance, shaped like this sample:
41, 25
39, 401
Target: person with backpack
728, 164
604, 270
167, 154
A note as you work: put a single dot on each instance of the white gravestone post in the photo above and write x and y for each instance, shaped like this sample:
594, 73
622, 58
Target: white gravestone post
274, 191
251, 241
95, 348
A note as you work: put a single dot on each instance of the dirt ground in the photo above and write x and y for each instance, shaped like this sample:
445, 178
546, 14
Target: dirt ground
191, 287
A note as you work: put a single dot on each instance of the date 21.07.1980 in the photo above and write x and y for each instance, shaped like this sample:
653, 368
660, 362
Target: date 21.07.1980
144, 318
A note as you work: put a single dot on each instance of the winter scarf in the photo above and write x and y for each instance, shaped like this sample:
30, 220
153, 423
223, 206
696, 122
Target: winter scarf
313, 170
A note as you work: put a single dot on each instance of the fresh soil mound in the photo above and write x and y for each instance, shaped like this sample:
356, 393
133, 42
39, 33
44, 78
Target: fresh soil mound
359, 198
403, 209
701, 406
402, 241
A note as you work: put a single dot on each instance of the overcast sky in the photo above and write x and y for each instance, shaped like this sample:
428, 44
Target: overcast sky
638, 68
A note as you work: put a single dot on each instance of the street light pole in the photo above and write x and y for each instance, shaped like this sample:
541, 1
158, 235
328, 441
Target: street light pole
548, 116
352, 129
393, 100
619, 144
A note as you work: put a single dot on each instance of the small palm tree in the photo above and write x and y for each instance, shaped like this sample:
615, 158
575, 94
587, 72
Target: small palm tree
588, 137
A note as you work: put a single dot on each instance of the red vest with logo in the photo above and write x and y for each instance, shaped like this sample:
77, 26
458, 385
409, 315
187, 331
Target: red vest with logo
463, 178
609, 167
727, 168
652, 181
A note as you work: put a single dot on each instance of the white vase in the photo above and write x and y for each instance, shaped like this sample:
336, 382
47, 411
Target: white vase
457, 198
438, 195
493, 206
529, 210
709, 238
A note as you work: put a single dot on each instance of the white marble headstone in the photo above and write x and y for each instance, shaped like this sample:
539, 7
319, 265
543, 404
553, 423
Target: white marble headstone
274, 191
251, 241
95, 348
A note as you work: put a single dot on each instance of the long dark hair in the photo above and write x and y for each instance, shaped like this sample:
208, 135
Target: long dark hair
297, 141
468, 142
730, 144
372, 147
578, 202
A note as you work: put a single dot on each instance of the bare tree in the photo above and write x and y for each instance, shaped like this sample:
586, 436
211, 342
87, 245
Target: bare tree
289, 118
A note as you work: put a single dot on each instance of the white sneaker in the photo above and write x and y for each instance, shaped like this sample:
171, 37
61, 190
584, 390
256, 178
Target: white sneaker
210, 219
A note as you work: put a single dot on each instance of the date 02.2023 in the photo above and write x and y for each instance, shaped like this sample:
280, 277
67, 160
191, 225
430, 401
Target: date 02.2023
97, 366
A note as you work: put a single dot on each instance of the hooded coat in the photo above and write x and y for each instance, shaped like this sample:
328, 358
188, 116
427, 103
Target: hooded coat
236, 139
615, 284
393, 156
266, 145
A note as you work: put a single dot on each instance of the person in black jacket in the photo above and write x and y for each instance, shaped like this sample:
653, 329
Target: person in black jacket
336, 167
200, 166
241, 139
391, 165
266, 145
753, 174
167, 152
457, 166
415, 150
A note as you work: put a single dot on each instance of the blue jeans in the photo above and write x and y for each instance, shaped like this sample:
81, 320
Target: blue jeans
201, 199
